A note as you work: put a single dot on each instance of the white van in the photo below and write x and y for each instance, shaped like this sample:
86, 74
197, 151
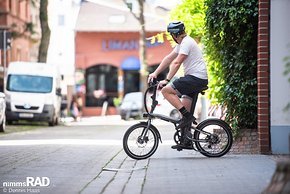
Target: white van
33, 92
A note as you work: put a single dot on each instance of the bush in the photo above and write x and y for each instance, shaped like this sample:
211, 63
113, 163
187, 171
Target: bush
231, 48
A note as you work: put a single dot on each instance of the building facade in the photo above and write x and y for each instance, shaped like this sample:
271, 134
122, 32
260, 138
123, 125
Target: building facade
107, 54
279, 82
19, 17
273, 84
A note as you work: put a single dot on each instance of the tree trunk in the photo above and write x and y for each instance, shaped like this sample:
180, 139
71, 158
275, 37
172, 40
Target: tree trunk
45, 31
142, 48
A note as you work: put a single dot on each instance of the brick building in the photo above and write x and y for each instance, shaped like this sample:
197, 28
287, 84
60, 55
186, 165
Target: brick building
15, 17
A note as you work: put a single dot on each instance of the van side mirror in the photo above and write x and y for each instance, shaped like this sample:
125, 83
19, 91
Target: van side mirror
58, 91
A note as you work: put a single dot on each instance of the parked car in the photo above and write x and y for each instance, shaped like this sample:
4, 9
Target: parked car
132, 105
2, 112
165, 108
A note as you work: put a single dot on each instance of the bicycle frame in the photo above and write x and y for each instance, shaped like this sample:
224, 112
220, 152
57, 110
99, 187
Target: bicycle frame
152, 115
204, 136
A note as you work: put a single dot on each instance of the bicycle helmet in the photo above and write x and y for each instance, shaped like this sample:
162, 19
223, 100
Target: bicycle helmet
175, 28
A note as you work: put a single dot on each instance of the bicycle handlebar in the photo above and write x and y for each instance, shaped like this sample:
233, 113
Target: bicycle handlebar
152, 85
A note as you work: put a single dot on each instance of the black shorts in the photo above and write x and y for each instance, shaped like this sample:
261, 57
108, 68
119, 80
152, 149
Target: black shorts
189, 85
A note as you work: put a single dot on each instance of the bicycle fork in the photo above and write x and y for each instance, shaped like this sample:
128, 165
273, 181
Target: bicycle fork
143, 137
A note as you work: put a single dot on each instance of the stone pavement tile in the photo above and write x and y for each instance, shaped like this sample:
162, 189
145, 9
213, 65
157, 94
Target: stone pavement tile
182, 172
136, 181
120, 175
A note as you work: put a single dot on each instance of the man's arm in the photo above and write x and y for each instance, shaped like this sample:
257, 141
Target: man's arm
164, 64
175, 66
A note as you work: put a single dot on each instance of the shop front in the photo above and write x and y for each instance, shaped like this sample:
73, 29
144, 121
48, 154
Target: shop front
110, 64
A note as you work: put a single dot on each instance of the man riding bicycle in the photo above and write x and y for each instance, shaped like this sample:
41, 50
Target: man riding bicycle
188, 53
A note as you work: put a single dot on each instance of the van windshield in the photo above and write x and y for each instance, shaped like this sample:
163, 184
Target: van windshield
29, 83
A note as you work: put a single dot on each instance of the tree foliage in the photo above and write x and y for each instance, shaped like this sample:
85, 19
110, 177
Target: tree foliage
192, 13
231, 49
228, 30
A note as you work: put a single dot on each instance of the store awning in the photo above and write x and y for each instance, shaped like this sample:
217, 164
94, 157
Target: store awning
130, 63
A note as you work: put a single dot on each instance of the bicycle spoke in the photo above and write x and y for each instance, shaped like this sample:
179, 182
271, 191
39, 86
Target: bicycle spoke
214, 138
140, 146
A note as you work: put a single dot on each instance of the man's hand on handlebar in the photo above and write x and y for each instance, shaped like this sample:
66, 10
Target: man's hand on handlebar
162, 84
152, 77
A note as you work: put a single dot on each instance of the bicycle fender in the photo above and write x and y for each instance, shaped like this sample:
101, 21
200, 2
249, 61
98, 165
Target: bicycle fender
222, 122
153, 128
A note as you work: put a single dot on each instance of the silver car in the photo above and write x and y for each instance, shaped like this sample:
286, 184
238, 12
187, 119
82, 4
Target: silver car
132, 105
2, 112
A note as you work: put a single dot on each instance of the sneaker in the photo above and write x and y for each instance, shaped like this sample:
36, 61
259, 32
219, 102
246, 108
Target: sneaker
180, 147
185, 121
177, 147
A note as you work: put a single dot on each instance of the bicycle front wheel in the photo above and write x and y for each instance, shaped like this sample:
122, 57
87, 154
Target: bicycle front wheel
214, 138
139, 145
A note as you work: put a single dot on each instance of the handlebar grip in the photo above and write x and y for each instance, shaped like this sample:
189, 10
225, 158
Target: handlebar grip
153, 82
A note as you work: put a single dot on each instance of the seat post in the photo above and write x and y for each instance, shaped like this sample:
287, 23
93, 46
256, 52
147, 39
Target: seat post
193, 102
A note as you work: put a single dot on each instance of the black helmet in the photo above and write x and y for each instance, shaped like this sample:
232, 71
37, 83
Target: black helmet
175, 28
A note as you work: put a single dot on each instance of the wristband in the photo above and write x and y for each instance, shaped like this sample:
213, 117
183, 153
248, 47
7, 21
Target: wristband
167, 80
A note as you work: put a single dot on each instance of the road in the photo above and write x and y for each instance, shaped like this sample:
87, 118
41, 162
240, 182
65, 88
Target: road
87, 158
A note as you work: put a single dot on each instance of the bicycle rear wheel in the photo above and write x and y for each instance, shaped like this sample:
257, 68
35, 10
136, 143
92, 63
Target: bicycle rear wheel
139, 146
214, 138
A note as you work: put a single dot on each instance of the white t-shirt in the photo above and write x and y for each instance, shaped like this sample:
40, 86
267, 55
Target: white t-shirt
194, 63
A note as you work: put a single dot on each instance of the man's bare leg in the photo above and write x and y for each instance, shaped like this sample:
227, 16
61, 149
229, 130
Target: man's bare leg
171, 96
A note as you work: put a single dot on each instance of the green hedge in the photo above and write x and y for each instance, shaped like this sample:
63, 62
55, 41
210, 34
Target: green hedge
231, 49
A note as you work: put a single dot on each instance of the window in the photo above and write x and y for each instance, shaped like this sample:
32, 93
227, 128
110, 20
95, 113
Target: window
29, 83
101, 85
131, 81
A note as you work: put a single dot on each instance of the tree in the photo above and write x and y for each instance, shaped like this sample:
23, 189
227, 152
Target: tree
45, 31
142, 42
231, 48
192, 13
228, 30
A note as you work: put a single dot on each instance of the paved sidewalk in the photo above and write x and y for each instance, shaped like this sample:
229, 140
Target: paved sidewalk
172, 172
180, 173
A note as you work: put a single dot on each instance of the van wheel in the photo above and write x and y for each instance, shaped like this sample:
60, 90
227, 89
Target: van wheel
56, 121
51, 123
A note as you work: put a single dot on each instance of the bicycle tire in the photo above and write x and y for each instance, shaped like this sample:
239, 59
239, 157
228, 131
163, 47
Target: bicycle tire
214, 146
137, 148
